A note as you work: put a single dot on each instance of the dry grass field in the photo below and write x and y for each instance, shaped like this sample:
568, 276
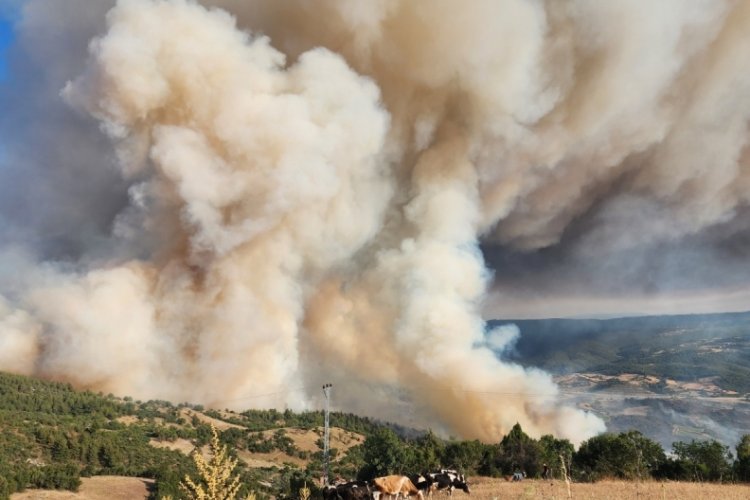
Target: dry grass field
499, 489
123, 488
95, 488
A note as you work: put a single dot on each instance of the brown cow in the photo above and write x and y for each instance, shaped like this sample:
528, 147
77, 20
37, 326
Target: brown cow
396, 486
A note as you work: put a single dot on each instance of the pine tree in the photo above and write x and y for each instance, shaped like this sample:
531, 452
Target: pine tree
216, 479
743, 458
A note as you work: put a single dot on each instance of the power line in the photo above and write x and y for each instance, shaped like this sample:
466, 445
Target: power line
256, 396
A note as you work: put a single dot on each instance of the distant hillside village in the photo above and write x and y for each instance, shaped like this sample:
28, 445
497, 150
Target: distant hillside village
53, 435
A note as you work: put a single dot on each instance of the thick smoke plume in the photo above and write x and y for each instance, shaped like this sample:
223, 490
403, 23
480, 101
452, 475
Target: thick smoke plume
293, 193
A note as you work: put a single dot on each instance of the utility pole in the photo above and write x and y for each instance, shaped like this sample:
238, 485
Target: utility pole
326, 434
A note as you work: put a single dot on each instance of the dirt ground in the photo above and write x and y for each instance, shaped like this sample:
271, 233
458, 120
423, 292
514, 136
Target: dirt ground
95, 488
499, 489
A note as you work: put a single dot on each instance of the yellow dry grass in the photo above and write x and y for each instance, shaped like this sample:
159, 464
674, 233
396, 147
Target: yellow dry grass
497, 489
95, 488
306, 440
274, 458
188, 414
127, 419
179, 444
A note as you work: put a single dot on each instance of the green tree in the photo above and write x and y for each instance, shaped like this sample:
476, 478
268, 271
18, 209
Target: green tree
648, 455
743, 458
466, 456
384, 453
704, 460
628, 455
429, 452
351, 463
520, 451
551, 449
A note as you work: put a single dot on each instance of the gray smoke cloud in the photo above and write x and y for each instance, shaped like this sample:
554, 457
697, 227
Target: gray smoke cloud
205, 201
611, 154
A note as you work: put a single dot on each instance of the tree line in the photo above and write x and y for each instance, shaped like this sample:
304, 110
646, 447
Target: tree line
627, 455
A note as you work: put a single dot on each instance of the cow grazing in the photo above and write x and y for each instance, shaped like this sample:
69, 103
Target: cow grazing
423, 482
351, 490
396, 486
330, 493
448, 480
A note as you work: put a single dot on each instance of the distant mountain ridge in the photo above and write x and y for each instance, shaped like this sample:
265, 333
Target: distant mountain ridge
675, 378
682, 347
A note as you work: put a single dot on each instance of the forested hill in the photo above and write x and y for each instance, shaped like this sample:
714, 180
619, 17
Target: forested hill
51, 435
685, 347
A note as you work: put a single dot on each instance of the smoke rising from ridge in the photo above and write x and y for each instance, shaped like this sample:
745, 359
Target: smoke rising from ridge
269, 195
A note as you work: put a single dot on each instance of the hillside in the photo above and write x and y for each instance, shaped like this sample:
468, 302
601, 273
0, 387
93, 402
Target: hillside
52, 435
672, 377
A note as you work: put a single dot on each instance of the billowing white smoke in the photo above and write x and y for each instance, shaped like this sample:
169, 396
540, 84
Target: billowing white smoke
299, 214
251, 182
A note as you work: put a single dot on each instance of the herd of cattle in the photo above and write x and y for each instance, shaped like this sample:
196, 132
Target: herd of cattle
398, 487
